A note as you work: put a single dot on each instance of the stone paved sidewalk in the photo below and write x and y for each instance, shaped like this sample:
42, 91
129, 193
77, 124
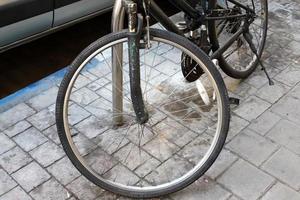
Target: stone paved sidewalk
261, 158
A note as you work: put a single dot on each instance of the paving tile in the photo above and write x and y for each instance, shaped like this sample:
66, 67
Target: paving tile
286, 108
43, 100
290, 76
64, 171
30, 139
161, 148
168, 68
252, 147
169, 170
50, 190
284, 165
121, 174
15, 194
246, 181
251, 108
47, 153
84, 189
132, 156
84, 96
17, 128
31, 176
14, 159
9, 117
152, 58
43, 119
202, 189
287, 134
5, 143
280, 191
77, 114
264, 123
272, 93
147, 167
6, 182
52, 134
92, 127
224, 161
236, 125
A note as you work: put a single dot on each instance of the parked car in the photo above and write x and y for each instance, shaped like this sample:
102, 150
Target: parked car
22, 21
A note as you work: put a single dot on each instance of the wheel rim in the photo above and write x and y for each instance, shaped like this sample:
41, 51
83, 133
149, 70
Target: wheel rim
136, 188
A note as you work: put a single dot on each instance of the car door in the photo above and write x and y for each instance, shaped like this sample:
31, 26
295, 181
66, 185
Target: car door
20, 19
69, 10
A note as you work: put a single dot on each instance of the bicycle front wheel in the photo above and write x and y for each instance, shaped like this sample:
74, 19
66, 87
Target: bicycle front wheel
239, 61
186, 130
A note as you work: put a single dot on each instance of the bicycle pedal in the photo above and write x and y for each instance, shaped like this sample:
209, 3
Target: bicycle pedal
234, 101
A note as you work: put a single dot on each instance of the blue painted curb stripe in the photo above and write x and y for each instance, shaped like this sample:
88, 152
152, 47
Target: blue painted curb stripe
32, 90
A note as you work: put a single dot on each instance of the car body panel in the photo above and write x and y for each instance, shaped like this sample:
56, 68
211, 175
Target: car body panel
27, 20
79, 9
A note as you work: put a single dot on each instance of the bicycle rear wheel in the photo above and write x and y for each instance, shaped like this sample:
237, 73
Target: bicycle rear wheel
239, 61
185, 132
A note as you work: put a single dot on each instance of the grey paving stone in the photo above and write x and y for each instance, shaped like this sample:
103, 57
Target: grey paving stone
173, 55
147, 167
92, 127
252, 108
168, 68
30, 139
43, 100
280, 191
84, 96
234, 198
50, 190
290, 76
286, 108
5, 143
30, 176
47, 153
264, 123
284, 165
295, 92
17, 128
236, 125
122, 175
51, 133
84, 189
252, 147
287, 134
111, 141
170, 170
77, 114
132, 156
202, 189
64, 171
15, 194
152, 58
224, 161
161, 148
14, 159
242, 89
272, 93
43, 119
246, 181
9, 117
6, 182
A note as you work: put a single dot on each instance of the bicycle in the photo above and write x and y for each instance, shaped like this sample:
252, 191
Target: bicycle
160, 127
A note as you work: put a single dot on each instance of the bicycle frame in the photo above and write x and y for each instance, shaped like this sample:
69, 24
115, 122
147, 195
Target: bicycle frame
161, 17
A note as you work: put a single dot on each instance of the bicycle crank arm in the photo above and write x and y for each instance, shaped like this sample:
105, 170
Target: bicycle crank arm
134, 38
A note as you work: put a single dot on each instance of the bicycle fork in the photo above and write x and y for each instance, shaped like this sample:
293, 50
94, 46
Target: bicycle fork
135, 25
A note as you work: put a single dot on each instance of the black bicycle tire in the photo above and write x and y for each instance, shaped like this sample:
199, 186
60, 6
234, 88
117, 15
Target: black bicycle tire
106, 40
224, 65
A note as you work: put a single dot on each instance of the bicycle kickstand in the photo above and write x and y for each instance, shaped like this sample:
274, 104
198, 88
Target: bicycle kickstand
247, 37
